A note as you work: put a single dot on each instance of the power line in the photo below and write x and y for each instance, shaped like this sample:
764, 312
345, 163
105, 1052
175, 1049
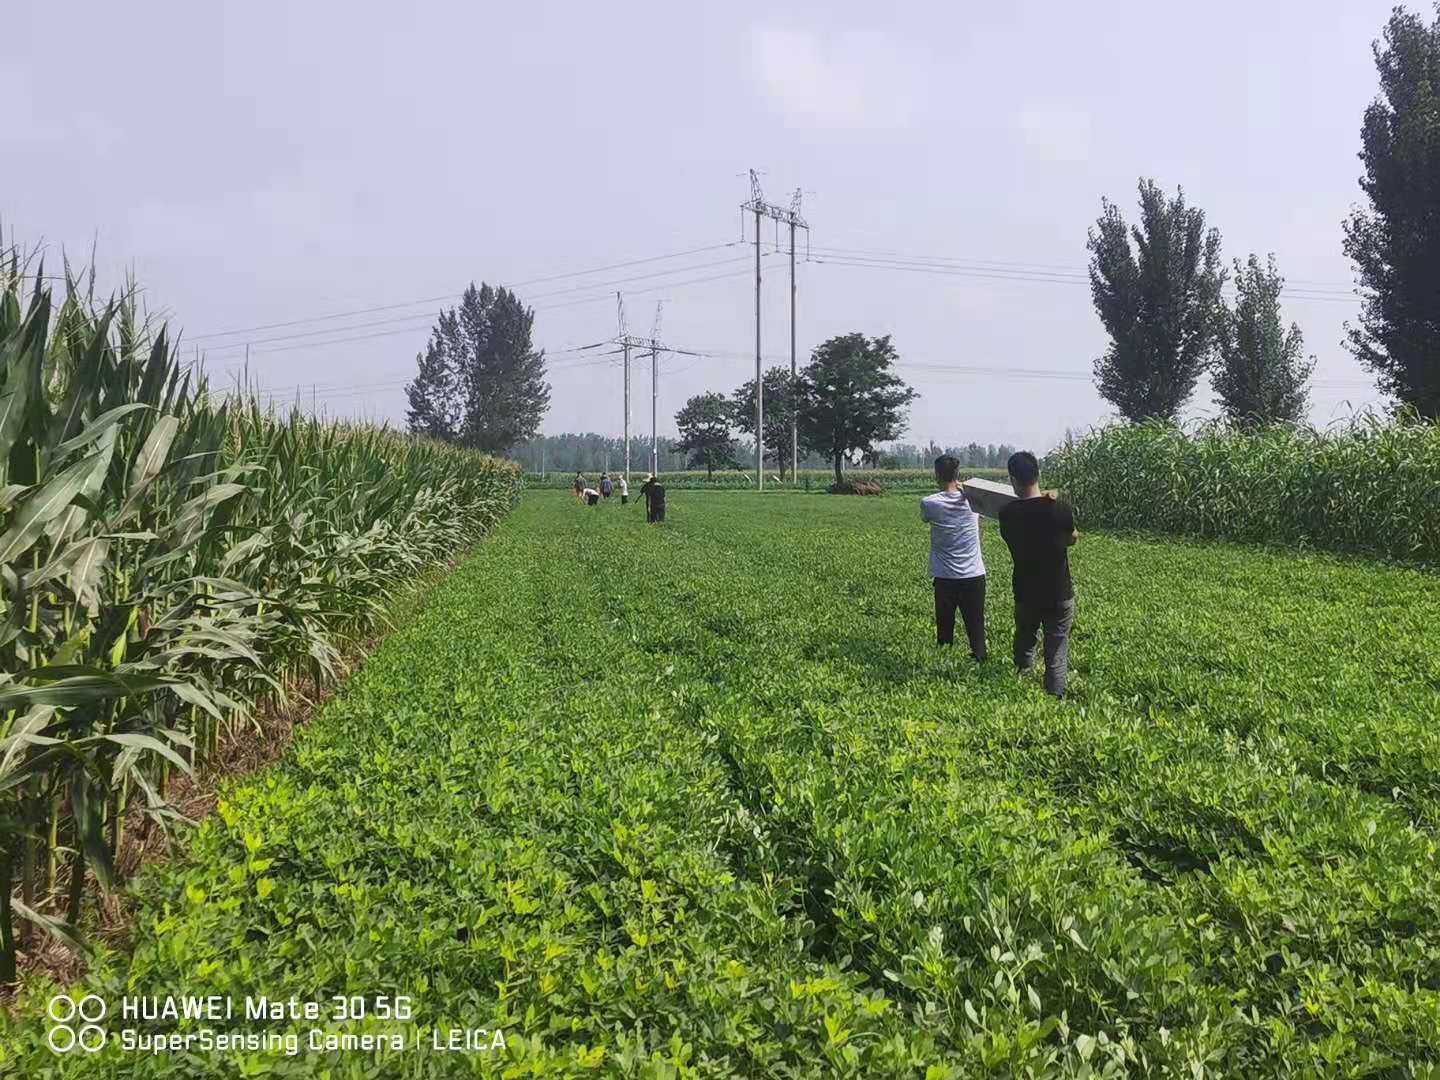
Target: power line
1054, 373
453, 296
1050, 278
340, 391
427, 317
545, 307
424, 319
344, 388
1000, 264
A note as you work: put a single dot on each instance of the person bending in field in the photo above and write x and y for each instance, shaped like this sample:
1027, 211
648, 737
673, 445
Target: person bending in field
592, 496
955, 561
1039, 530
654, 499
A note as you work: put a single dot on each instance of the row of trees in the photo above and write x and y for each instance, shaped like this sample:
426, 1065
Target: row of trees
592, 452
844, 403
972, 455
1157, 285
481, 384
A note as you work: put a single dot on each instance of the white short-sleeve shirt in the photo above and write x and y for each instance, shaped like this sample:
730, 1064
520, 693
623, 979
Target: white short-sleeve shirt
954, 535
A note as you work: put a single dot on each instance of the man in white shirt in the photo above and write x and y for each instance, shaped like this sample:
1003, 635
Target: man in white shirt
955, 561
624, 491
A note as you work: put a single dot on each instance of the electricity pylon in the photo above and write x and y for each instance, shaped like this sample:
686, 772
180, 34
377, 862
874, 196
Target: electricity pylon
789, 216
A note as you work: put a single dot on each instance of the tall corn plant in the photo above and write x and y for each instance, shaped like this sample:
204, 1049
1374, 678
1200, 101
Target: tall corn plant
166, 564
1372, 486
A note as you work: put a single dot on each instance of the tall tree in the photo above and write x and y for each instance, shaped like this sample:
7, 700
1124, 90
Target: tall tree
779, 409
436, 406
705, 434
1159, 301
1261, 374
849, 399
1395, 243
480, 382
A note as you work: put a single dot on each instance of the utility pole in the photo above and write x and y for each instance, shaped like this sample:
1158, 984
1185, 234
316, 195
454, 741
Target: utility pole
794, 417
654, 346
791, 217
624, 340
759, 380
655, 391
794, 220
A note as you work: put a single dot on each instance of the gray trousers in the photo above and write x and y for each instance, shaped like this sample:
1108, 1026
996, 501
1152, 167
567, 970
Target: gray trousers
1056, 622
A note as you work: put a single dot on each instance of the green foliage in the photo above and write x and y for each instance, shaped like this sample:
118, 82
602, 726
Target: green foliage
480, 382
169, 563
780, 394
850, 399
672, 803
1395, 242
1261, 375
1159, 302
705, 435
1371, 486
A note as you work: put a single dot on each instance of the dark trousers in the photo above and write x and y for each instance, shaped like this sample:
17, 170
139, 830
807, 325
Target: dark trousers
1056, 622
656, 512
968, 594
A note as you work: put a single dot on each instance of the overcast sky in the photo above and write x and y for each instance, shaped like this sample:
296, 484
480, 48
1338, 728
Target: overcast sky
268, 162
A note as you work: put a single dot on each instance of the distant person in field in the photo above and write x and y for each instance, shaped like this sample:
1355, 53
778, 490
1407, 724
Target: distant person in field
606, 487
579, 484
654, 499
956, 566
592, 496
624, 491
1039, 530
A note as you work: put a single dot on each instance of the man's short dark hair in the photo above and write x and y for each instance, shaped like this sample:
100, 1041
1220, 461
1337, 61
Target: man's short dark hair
947, 468
1023, 467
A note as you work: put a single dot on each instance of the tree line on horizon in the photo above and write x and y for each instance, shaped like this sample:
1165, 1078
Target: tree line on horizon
1157, 287
594, 452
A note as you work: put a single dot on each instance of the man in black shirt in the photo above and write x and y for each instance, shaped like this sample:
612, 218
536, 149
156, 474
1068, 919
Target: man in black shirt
654, 499
1039, 530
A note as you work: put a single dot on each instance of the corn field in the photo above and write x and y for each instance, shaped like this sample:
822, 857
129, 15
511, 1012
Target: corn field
1371, 486
169, 562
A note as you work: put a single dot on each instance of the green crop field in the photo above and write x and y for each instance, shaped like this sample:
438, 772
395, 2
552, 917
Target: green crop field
704, 799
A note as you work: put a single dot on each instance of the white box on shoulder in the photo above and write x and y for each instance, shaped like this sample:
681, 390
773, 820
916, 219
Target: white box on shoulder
987, 496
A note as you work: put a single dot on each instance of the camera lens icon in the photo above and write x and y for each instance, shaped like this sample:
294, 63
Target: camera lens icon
65, 1034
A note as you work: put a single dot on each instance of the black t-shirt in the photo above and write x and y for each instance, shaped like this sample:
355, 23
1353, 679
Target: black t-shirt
654, 493
1037, 532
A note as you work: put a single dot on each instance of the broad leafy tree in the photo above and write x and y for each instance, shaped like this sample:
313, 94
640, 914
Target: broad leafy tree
849, 398
1262, 373
705, 434
779, 410
1157, 290
480, 382
1395, 241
